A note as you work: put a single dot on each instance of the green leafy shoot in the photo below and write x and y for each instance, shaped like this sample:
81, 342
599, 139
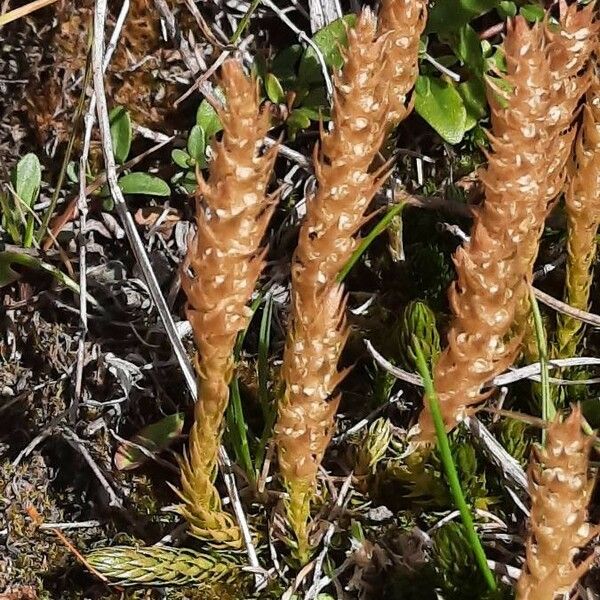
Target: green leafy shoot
450, 467
207, 117
238, 429
269, 411
236, 422
196, 146
451, 15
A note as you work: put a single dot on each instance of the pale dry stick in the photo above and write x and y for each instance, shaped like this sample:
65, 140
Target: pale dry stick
441, 68
508, 466
149, 134
23, 11
35, 516
208, 73
83, 211
75, 525
76, 442
338, 439
88, 120
175, 34
342, 500
527, 372
564, 308
323, 12
144, 263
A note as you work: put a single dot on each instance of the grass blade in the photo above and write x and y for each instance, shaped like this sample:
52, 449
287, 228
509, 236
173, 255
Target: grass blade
450, 467
268, 409
381, 226
236, 422
548, 408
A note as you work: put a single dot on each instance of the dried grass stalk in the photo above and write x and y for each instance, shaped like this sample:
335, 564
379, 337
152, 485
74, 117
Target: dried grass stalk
219, 275
403, 21
327, 239
495, 266
560, 493
582, 206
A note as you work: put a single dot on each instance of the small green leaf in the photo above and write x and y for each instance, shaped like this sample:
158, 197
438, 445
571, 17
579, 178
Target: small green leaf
315, 104
507, 9
274, 89
189, 182
329, 41
72, 171
451, 15
28, 178
285, 63
207, 117
121, 133
466, 44
181, 158
154, 438
439, 103
473, 94
196, 144
297, 121
532, 12
144, 183
259, 67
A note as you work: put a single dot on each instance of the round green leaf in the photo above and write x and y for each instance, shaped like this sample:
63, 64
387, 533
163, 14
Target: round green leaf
181, 158
189, 182
121, 133
297, 121
506, 9
144, 183
196, 144
274, 90
285, 62
207, 117
439, 103
28, 178
532, 12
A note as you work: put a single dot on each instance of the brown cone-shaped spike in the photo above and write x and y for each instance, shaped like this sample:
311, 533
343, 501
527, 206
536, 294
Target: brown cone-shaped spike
494, 269
326, 242
570, 44
219, 275
560, 489
582, 206
403, 21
